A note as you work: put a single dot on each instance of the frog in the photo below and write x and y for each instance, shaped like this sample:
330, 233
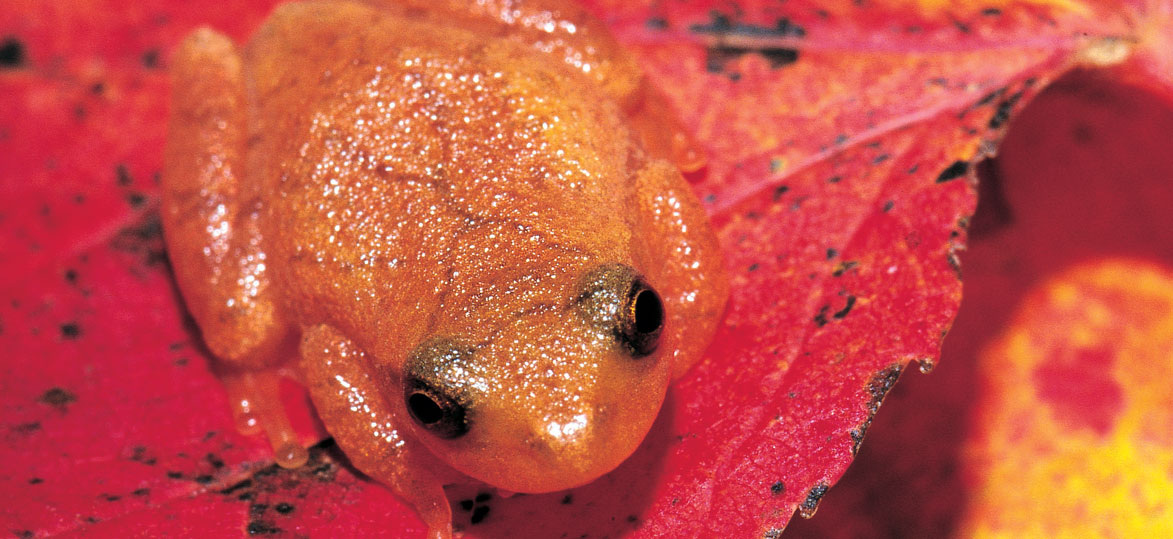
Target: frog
463, 227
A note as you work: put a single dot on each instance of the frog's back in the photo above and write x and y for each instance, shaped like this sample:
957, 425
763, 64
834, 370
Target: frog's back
419, 151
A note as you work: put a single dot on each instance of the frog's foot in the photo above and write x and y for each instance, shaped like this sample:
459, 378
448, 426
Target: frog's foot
256, 405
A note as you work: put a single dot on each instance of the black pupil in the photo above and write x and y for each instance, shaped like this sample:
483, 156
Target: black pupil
649, 314
426, 410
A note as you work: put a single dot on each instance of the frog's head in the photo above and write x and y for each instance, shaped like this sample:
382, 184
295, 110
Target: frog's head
557, 397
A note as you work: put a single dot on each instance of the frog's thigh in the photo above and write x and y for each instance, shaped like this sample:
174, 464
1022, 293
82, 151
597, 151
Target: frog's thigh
210, 219
695, 287
352, 405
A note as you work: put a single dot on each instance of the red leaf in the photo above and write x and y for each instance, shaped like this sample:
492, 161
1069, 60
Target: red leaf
1081, 178
839, 141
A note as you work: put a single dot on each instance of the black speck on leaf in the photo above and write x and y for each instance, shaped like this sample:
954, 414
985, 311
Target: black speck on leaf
11, 53
58, 397
953, 171
70, 330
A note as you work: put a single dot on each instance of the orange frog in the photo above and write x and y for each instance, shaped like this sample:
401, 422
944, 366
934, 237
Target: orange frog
465, 220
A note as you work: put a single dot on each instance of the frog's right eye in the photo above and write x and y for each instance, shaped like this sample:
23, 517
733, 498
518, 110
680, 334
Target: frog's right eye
435, 411
434, 387
619, 301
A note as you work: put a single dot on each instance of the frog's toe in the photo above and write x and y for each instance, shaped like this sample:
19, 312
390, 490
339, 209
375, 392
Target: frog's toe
256, 405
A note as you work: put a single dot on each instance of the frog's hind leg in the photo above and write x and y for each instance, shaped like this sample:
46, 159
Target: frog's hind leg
211, 222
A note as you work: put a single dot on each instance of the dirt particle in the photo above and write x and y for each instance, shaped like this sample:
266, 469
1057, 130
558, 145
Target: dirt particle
718, 58
70, 330
25, 429
58, 398
203, 479
721, 24
35, 480
123, 175
466, 505
842, 313
12, 54
821, 316
567, 499
144, 239
283, 508
953, 171
811, 503
141, 492
261, 527
1004, 109
878, 387
215, 461
150, 59
777, 488
656, 23
239, 486
843, 267
479, 514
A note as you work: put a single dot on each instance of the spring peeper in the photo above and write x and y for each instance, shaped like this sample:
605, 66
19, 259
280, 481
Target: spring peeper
463, 226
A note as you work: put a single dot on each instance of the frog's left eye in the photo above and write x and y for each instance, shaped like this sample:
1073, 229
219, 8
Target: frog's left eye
434, 387
433, 410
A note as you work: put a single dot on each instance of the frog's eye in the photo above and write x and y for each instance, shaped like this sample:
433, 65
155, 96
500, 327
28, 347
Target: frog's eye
617, 300
641, 319
434, 386
435, 411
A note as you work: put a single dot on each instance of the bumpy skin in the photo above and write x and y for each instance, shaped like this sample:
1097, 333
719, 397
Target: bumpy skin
441, 197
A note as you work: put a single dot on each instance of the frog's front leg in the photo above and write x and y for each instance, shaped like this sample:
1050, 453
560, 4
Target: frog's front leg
352, 403
685, 257
211, 223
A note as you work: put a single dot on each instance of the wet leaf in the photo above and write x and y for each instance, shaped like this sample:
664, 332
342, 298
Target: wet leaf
841, 142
